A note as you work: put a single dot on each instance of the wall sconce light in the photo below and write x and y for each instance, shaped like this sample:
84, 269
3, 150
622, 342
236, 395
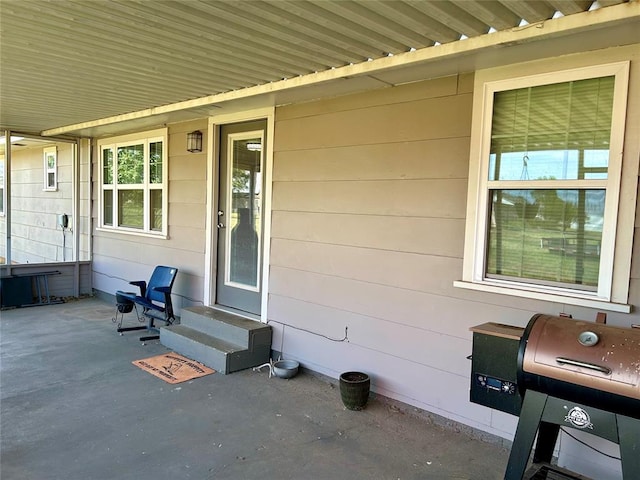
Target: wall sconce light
194, 141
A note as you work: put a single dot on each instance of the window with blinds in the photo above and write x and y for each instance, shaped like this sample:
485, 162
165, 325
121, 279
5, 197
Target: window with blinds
553, 142
544, 209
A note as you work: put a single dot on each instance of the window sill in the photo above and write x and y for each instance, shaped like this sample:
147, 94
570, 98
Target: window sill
136, 233
548, 297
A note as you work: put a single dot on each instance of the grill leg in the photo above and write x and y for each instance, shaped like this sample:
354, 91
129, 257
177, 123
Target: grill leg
530, 416
547, 437
629, 441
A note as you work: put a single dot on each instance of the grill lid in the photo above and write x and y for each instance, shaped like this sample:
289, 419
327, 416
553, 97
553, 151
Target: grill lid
587, 354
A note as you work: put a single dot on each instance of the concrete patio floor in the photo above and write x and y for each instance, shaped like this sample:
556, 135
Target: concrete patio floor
73, 406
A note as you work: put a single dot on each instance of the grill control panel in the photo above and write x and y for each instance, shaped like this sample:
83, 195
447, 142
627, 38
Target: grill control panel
495, 384
494, 367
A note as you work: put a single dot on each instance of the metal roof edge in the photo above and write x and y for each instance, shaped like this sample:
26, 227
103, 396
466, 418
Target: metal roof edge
607, 17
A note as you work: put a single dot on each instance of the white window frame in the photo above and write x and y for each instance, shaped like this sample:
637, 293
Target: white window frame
477, 221
144, 138
47, 153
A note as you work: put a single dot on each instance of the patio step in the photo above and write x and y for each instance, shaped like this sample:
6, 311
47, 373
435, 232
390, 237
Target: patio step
223, 341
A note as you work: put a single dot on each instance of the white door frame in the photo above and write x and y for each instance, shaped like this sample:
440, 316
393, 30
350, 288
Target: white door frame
211, 244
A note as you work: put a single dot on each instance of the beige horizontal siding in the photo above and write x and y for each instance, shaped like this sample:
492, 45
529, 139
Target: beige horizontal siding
413, 198
188, 191
431, 312
438, 87
442, 117
192, 166
182, 214
369, 200
147, 251
424, 273
36, 237
420, 159
427, 347
191, 238
428, 236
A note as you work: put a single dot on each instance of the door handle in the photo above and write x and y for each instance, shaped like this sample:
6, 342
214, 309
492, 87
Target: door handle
578, 363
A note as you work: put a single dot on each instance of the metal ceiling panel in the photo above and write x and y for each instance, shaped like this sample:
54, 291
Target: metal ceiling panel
567, 7
491, 12
68, 62
531, 12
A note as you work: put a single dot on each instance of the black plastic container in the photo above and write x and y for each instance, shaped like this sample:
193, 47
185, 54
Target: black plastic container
354, 389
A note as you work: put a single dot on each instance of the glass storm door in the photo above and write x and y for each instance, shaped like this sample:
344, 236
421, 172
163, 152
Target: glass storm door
240, 205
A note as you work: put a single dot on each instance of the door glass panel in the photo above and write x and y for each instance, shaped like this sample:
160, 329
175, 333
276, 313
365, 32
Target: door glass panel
245, 192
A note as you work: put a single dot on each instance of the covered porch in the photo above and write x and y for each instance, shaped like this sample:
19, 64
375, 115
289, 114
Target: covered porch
73, 406
373, 122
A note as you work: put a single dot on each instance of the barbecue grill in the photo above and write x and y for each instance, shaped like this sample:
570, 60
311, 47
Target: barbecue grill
591, 363
568, 373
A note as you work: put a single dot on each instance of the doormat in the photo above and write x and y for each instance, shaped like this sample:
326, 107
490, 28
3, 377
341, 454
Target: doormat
173, 368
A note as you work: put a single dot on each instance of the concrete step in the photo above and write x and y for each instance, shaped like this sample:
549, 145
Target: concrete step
222, 356
220, 340
227, 327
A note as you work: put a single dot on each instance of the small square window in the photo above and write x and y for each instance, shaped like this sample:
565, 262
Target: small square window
50, 168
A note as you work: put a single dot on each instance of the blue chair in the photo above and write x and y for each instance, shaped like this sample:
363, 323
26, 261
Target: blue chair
154, 299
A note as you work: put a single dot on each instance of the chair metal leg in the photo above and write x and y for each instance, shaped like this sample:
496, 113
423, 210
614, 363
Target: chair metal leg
115, 319
131, 329
150, 337
151, 327
120, 329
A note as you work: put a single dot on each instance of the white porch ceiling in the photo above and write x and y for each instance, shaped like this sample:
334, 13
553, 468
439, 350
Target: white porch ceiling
81, 66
